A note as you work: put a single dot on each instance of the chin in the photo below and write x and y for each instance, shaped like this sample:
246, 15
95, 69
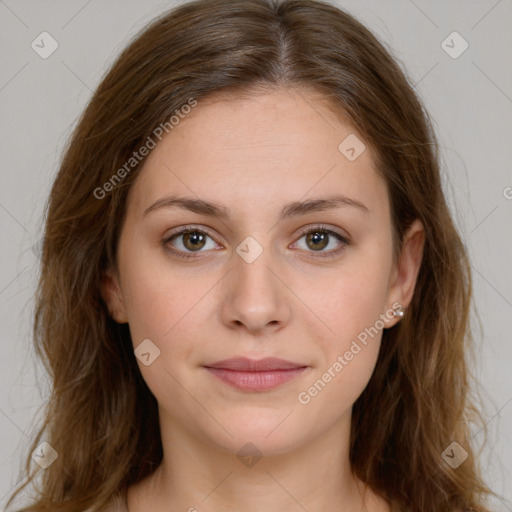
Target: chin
266, 435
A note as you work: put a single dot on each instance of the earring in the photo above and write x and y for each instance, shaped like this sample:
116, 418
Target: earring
398, 312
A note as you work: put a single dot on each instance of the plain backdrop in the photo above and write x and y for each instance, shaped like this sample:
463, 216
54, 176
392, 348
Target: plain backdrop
469, 98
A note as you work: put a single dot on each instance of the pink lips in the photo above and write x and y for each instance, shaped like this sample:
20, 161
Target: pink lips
251, 375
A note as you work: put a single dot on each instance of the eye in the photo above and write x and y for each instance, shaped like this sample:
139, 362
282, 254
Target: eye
189, 240
320, 237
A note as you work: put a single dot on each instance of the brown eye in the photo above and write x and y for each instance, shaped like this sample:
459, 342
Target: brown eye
193, 240
187, 241
319, 238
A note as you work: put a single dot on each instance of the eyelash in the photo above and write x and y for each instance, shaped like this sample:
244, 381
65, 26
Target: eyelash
322, 228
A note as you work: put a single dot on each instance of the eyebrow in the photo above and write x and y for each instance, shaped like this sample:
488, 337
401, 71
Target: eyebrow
292, 209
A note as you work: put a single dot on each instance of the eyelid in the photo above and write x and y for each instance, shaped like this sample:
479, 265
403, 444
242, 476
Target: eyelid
323, 227
189, 227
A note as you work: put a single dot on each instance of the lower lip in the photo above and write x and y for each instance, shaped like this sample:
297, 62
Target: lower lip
256, 381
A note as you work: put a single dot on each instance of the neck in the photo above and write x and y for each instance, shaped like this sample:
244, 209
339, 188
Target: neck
200, 476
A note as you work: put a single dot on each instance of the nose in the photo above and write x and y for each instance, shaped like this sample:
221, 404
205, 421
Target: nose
256, 296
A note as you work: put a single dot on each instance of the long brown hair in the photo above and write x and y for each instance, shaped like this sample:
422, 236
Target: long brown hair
101, 418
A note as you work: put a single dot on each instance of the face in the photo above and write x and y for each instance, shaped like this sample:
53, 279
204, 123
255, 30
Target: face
268, 278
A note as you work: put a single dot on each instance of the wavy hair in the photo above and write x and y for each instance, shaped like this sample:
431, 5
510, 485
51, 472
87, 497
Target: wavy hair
101, 418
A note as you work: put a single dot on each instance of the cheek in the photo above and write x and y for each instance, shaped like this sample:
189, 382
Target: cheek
155, 294
354, 297
167, 307
353, 315
150, 307
166, 310
158, 306
351, 308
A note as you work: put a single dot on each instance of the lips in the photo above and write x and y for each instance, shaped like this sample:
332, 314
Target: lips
244, 364
251, 375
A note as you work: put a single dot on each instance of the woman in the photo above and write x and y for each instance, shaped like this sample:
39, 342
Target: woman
312, 354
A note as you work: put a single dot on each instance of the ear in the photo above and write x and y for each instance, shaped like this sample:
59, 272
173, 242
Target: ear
405, 272
111, 294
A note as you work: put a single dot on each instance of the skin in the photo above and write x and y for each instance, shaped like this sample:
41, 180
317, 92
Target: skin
254, 154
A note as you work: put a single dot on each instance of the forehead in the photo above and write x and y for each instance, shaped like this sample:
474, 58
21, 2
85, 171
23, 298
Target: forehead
261, 150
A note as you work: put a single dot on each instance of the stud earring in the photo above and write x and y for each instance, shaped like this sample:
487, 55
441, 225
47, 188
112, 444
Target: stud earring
398, 312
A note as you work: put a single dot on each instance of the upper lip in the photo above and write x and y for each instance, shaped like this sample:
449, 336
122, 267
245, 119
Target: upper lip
245, 364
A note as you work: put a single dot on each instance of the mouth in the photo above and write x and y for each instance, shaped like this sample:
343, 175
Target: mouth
255, 375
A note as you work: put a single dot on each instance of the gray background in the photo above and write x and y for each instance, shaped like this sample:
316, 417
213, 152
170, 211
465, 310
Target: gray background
470, 99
